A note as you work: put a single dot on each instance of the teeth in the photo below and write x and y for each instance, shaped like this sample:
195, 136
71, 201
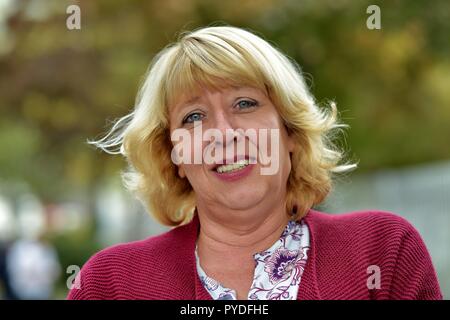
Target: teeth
232, 166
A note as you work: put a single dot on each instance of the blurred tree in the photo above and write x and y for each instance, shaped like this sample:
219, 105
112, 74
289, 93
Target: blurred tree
58, 86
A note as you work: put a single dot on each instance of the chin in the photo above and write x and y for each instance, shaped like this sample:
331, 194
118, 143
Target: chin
243, 198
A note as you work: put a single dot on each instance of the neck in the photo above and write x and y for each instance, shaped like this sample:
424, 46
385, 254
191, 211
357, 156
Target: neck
237, 235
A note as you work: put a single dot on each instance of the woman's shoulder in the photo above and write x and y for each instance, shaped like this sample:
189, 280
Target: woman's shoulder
371, 231
141, 251
362, 223
134, 267
354, 242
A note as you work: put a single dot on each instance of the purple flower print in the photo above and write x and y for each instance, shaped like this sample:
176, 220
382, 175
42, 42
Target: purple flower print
278, 270
281, 264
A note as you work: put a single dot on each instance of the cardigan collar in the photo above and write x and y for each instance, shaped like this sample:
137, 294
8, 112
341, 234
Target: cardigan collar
308, 289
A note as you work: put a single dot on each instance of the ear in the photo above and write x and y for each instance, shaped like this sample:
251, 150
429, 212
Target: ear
181, 172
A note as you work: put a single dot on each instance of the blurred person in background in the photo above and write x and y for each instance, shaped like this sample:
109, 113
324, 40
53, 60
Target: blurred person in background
6, 291
7, 238
32, 268
31, 265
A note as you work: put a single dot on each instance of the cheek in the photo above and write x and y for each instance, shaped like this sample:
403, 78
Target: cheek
195, 174
189, 170
271, 123
267, 118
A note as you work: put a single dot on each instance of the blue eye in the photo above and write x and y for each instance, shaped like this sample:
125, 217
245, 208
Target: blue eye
193, 117
246, 104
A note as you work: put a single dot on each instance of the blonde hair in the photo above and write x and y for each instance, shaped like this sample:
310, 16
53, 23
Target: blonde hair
218, 56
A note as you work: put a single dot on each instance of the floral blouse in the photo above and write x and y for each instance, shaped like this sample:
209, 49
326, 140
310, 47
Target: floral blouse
278, 270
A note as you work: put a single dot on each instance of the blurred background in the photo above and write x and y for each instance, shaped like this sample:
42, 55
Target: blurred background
61, 200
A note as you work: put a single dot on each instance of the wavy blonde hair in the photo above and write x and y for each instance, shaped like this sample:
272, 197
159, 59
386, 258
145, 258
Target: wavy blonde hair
215, 57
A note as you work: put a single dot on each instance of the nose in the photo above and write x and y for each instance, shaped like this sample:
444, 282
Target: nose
224, 123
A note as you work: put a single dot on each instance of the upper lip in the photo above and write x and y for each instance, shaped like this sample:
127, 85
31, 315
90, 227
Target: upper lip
230, 161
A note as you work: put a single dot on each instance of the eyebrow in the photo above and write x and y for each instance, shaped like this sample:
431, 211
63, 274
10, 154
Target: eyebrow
191, 100
187, 103
196, 98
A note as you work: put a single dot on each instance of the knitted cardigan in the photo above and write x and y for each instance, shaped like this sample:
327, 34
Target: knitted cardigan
344, 249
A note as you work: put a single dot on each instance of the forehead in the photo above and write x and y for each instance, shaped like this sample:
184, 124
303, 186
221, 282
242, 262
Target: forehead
188, 98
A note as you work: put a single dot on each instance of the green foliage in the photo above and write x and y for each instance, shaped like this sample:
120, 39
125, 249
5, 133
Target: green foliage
57, 86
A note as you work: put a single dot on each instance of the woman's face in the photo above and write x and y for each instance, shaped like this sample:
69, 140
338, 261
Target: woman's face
243, 185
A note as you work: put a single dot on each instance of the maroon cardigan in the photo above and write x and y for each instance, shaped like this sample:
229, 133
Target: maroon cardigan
343, 246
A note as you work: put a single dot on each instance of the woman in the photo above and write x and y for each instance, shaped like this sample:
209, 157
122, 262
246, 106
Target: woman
255, 157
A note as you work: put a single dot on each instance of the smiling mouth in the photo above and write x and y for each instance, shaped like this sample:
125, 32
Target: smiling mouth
232, 167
